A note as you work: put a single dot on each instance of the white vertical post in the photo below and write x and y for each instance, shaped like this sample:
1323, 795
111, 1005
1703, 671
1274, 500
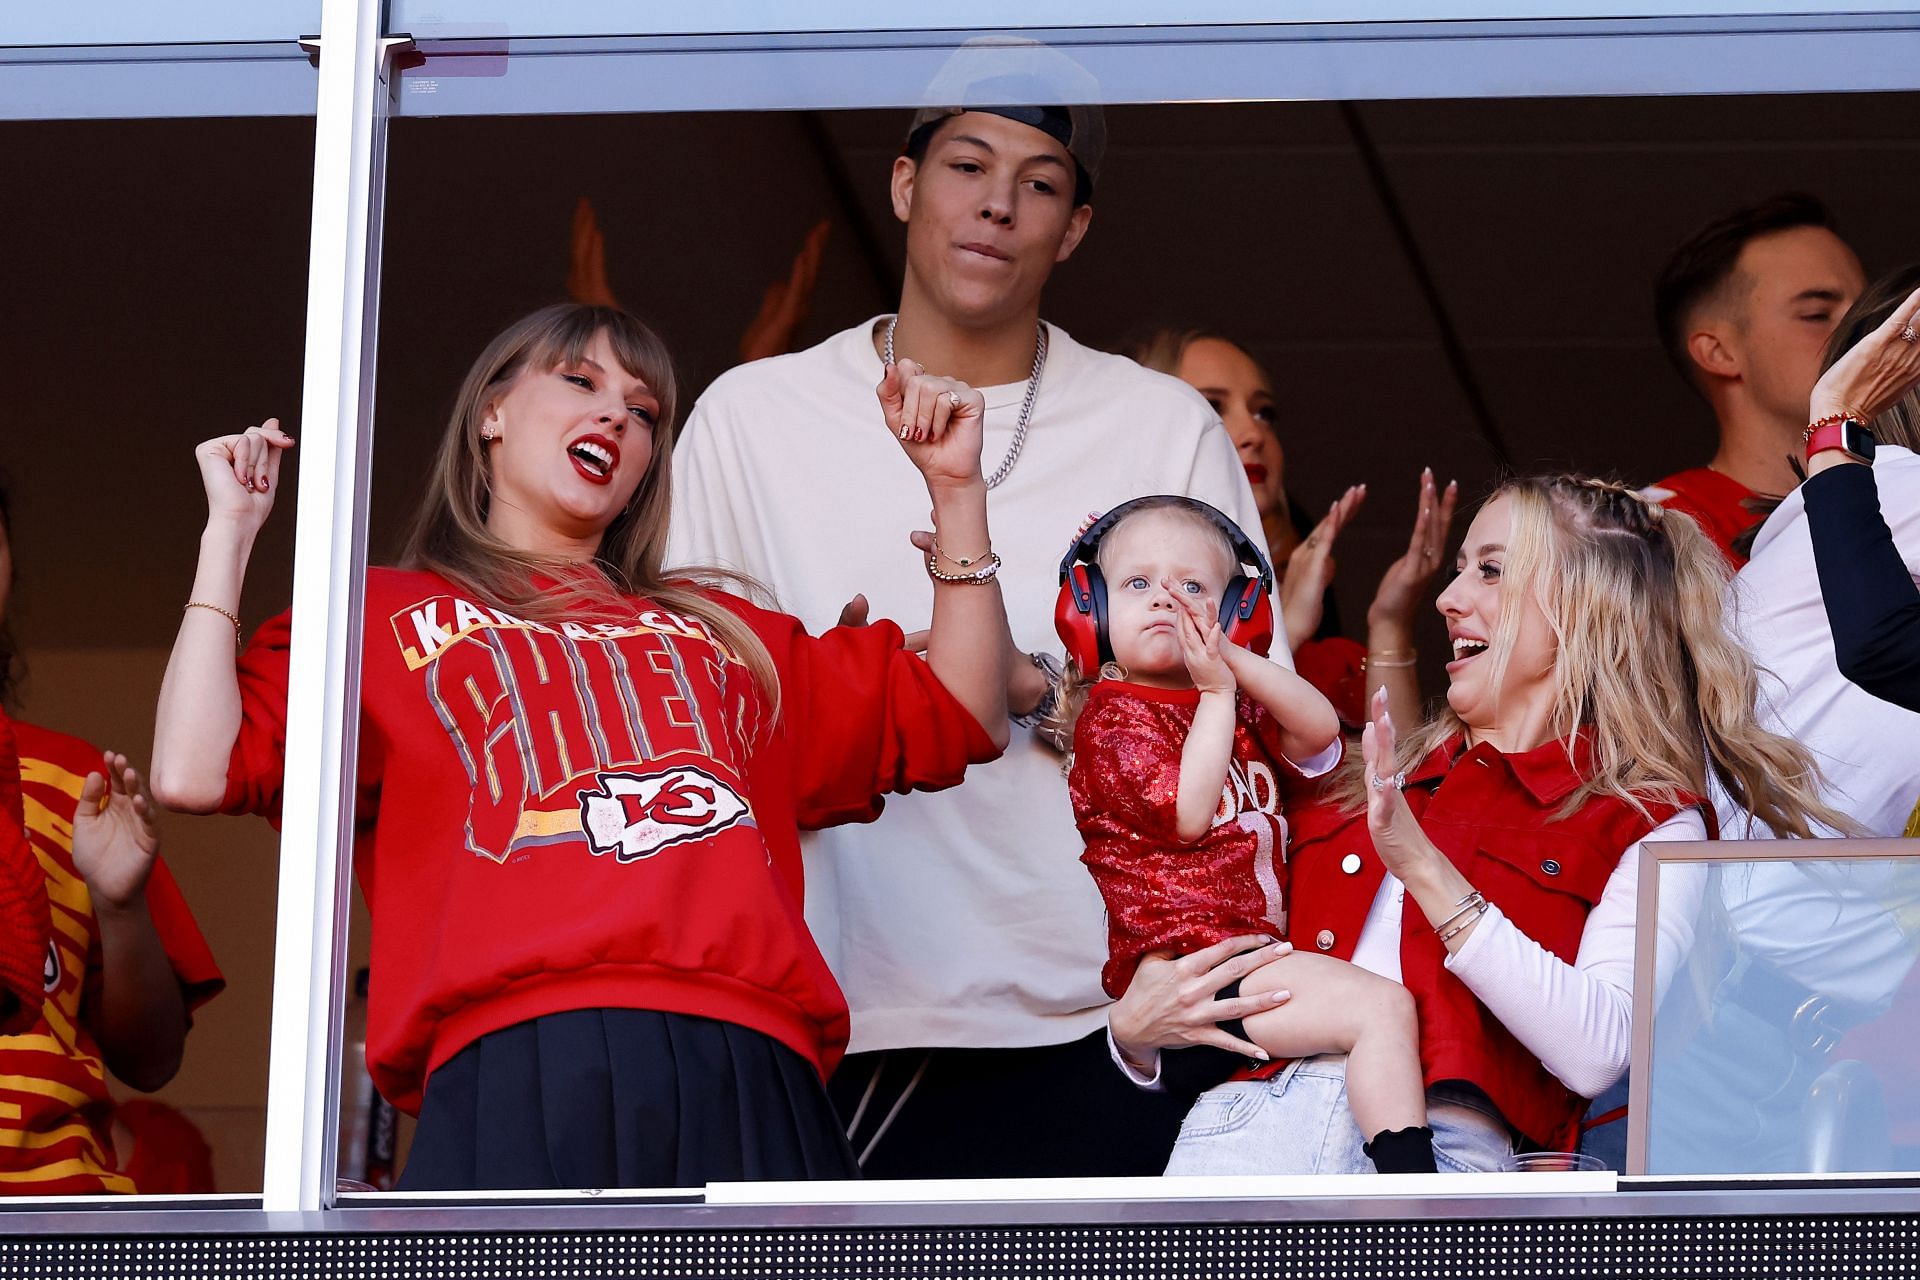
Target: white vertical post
323, 694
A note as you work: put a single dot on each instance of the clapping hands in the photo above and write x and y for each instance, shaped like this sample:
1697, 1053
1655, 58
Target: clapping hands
1203, 645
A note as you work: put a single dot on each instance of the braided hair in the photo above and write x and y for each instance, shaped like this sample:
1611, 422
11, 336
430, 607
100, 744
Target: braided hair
1644, 663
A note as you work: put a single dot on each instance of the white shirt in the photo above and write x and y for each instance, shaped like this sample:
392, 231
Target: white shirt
1832, 927
961, 918
1868, 750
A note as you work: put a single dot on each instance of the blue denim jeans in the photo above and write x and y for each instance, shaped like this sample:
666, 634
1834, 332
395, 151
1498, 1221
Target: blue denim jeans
1299, 1122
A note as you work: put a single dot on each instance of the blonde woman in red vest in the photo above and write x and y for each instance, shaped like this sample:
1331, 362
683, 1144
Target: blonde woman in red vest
1489, 858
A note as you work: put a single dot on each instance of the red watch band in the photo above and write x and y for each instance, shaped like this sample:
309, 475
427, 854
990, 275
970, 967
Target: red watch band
1842, 431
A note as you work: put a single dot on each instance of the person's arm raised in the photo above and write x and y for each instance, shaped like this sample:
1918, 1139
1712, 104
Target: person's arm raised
141, 1018
1208, 750
938, 421
1391, 661
198, 718
1308, 724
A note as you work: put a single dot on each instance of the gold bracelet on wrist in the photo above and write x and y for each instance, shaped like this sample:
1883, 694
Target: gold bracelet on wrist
965, 562
989, 567
228, 614
1408, 652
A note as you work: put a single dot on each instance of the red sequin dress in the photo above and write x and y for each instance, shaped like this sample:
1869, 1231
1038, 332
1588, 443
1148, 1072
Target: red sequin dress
1163, 892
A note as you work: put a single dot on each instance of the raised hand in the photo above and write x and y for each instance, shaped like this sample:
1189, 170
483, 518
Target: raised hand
1877, 371
1201, 642
1310, 568
241, 474
1403, 587
114, 837
1397, 836
587, 265
937, 421
784, 306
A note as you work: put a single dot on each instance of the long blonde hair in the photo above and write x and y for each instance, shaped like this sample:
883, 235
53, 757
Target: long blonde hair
1643, 660
450, 537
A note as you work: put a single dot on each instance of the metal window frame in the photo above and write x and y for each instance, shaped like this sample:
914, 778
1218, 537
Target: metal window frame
330, 533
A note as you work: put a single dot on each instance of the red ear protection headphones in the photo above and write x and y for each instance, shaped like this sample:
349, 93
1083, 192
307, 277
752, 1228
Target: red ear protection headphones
1080, 614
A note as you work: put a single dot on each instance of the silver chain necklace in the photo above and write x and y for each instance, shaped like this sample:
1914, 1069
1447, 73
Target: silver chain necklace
1005, 468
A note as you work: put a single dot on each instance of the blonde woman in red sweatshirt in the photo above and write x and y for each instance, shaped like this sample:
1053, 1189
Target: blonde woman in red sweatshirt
581, 782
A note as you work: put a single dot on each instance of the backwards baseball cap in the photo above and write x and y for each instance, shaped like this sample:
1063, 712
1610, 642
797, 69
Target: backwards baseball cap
1056, 95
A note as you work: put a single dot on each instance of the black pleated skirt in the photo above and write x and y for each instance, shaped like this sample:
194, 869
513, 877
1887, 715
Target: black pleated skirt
623, 1098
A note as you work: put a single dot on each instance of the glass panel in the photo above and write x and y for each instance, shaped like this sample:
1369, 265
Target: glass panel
136, 81
450, 18
1444, 281
499, 74
121, 22
1788, 1041
159, 309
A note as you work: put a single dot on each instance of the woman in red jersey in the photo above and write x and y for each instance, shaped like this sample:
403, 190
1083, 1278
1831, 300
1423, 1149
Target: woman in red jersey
117, 964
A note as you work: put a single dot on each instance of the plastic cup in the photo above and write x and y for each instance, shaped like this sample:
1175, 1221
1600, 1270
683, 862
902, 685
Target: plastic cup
1552, 1162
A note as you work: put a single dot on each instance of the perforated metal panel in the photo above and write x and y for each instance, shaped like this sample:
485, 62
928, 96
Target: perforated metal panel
1749, 1248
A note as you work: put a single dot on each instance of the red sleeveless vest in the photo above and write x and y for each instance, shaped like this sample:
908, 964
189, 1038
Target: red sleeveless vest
1494, 817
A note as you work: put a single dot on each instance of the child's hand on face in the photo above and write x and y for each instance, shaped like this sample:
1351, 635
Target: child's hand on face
1201, 643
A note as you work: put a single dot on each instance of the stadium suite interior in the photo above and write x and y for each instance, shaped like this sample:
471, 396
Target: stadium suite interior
1460, 284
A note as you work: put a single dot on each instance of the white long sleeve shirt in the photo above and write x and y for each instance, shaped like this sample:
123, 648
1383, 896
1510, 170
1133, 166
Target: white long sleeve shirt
962, 918
1840, 929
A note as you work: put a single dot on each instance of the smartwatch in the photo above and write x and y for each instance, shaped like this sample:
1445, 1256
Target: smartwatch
1843, 432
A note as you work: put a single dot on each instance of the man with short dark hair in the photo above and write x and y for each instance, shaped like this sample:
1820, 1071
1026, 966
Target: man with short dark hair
1744, 308
967, 935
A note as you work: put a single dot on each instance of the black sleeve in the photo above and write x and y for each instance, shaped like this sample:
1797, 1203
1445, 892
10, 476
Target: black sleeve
1872, 603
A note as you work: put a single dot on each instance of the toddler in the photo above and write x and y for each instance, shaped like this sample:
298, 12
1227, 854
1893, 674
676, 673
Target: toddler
1184, 745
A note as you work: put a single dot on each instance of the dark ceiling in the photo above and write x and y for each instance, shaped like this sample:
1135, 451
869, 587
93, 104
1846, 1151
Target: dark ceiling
156, 276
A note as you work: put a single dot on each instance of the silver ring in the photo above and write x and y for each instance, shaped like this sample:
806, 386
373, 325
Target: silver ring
1398, 782
953, 399
1907, 334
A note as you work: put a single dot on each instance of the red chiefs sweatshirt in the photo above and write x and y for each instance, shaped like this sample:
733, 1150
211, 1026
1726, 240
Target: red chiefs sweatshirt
598, 813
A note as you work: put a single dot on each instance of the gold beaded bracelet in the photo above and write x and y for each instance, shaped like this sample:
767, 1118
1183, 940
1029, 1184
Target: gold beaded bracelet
228, 614
989, 567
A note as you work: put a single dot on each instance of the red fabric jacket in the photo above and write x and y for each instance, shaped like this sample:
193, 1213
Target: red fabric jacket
1712, 499
1336, 667
595, 814
1495, 818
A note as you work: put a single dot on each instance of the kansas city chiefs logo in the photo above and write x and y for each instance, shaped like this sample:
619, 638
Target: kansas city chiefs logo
635, 816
